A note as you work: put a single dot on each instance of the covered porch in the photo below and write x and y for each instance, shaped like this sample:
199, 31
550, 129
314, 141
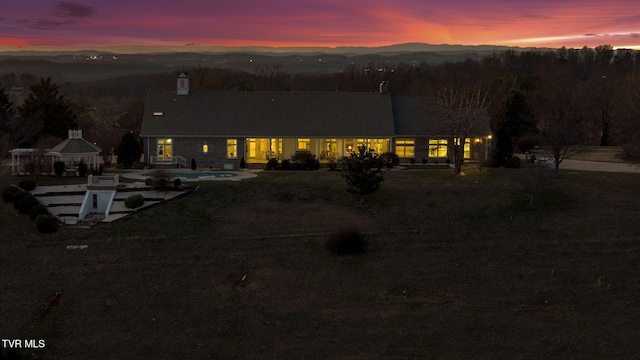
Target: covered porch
261, 150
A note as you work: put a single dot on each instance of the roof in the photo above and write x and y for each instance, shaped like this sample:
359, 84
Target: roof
75, 146
268, 114
414, 116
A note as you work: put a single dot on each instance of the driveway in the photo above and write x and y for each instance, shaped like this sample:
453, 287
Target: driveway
599, 166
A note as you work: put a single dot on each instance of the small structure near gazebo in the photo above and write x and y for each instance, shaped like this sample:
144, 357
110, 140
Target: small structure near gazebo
74, 149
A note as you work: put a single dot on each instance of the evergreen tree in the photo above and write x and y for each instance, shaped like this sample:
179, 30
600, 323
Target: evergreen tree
513, 121
362, 170
44, 104
7, 112
129, 150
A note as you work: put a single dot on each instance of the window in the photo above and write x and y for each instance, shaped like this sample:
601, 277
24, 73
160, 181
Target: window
437, 148
405, 148
205, 148
467, 148
165, 149
304, 144
232, 148
378, 146
328, 148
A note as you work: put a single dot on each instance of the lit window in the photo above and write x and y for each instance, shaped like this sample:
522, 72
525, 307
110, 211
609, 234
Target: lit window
437, 148
378, 146
304, 144
405, 148
232, 149
158, 113
205, 148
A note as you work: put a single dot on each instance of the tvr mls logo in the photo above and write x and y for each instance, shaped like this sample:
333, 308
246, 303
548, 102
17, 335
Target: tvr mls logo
23, 344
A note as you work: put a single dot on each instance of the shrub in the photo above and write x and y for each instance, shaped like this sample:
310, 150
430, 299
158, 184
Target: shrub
333, 163
19, 195
8, 191
632, 150
177, 182
272, 164
286, 164
82, 168
46, 224
26, 202
424, 161
390, 159
58, 168
160, 179
491, 162
38, 210
304, 160
27, 184
193, 164
346, 242
243, 164
412, 160
513, 163
134, 201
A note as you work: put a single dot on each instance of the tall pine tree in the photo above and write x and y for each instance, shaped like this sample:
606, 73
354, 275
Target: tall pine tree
44, 104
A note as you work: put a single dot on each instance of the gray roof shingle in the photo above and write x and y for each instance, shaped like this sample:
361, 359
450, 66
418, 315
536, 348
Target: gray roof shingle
269, 114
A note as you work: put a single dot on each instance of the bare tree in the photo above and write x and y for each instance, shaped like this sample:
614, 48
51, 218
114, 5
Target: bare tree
462, 110
561, 119
36, 163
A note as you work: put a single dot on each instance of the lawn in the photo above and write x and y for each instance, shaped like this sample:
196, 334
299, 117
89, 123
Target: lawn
456, 268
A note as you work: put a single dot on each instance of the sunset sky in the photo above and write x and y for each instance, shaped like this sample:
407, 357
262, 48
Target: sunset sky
538, 23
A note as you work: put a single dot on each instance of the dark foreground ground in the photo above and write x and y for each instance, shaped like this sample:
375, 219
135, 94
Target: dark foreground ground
456, 268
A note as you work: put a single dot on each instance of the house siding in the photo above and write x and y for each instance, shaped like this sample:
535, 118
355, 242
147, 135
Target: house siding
192, 148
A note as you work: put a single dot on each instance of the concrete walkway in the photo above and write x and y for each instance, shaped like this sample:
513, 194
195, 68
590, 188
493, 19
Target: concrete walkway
598, 166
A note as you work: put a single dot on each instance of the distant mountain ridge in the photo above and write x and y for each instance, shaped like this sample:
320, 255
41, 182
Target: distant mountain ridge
305, 50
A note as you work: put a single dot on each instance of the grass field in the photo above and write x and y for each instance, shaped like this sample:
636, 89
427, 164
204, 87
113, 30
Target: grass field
456, 268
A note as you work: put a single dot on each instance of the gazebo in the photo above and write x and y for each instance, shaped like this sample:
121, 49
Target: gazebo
74, 149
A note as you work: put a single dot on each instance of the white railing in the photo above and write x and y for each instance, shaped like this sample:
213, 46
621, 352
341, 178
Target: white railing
103, 180
178, 160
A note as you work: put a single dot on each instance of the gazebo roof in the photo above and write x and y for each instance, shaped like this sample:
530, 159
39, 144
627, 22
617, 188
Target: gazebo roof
75, 145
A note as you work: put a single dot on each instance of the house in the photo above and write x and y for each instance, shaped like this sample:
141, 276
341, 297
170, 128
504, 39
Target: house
219, 129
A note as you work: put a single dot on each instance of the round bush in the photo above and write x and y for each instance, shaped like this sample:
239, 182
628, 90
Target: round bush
8, 191
177, 182
26, 202
390, 159
27, 184
346, 242
272, 164
134, 201
18, 195
38, 210
46, 224
58, 168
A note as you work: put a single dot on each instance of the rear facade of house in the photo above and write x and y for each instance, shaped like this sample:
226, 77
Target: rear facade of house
220, 129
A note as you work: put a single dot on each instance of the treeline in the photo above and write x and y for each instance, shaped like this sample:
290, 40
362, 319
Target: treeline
596, 90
